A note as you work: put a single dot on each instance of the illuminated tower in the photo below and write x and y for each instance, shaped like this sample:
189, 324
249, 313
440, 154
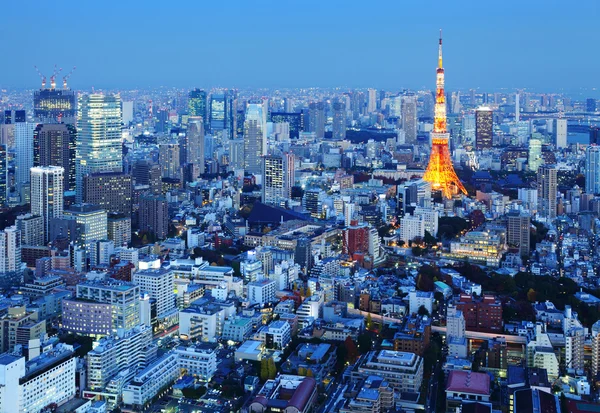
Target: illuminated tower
440, 172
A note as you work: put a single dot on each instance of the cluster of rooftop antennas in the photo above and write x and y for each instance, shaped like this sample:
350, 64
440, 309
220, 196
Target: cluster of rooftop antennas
54, 76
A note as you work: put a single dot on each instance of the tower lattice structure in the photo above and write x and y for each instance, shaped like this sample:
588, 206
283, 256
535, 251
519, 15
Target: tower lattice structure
440, 172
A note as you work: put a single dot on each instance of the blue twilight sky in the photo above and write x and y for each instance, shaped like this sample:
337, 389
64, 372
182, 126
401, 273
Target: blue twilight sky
548, 45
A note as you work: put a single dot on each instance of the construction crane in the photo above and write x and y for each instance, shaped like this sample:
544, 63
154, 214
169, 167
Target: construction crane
65, 78
53, 77
41, 77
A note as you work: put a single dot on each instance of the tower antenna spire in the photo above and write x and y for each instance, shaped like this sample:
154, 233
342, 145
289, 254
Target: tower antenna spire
440, 51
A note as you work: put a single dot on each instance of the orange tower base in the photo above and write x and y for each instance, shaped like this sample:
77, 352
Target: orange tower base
440, 172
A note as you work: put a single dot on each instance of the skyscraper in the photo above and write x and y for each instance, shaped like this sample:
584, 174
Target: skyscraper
559, 133
483, 128
218, 112
316, 119
236, 153
518, 231
409, 118
11, 267
55, 145
339, 121
3, 175
154, 215
372, 101
594, 135
194, 143
535, 159
440, 171
278, 178
99, 137
293, 119
547, 185
255, 137
168, 158
24, 149
47, 194
91, 223
111, 191
592, 170
55, 106
198, 105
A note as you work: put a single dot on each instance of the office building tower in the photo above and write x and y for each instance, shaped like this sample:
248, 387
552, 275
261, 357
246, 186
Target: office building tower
98, 137
295, 121
395, 107
55, 106
159, 283
547, 189
3, 175
147, 173
127, 109
255, 137
47, 194
154, 215
559, 133
111, 191
592, 170
23, 131
218, 112
230, 113
55, 145
303, 254
313, 202
90, 223
11, 267
168, 159
198, 105
119, 229
316, 119
483, 128
339, 121
236, 153
594, 135
518, 230
590, 105
371, 101
31, 228
278, 178
409, 118
535, 159
194, 143
517, 108
358, 105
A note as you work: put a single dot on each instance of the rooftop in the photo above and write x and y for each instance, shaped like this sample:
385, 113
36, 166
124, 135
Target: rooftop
468, 382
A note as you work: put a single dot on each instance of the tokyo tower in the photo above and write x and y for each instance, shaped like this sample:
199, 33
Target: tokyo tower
440, 172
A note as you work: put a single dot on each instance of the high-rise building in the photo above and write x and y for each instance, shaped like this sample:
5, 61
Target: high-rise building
590, 105
372, 100
559, 133
127, 108
316, 119
594, 135
55, 145
518, 230
23, 149
154, 215
278, 178
293, 119
90, 221
547, 187
236, 153
218, 112
99, 137
3, 175
592, 169
194, 143
198, 105
111, 191
47, 194
483, 128
339, 121
409, 118
119, 229
55, 106
255, 137
11, 267
31, 228
517, 108
159, 283
440, 171
535, 159
168, 158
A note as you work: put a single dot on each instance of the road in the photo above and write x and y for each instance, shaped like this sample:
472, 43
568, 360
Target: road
332, 401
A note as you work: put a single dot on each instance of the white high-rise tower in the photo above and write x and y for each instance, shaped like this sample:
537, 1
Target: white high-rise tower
47, 194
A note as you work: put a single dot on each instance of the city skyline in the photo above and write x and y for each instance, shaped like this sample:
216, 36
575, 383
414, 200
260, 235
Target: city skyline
488, 48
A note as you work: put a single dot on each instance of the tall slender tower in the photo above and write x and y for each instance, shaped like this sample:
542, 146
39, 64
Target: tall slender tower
440, 172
